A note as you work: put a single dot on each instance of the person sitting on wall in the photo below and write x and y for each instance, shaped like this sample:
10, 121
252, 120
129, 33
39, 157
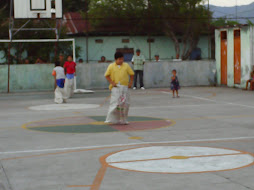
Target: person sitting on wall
39, 61
251, 80
27, 62
80, 61
157, 58
103, 60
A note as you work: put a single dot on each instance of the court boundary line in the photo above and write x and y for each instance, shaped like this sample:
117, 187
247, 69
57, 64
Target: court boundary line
127, 144
215, 101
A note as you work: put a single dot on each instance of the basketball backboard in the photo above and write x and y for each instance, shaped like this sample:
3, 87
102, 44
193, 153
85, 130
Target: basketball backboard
32, 9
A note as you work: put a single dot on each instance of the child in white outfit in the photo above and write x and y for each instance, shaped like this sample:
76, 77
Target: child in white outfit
58, 73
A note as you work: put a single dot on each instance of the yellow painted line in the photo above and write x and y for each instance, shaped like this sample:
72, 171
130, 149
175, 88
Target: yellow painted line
73, 186
135, 138
215, 117
77, 112
179, 157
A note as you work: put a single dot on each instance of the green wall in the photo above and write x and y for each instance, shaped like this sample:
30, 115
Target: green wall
3, 78
38, 77
27, 78
162, 45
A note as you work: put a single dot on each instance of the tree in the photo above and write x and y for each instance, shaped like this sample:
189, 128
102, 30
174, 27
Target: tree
185, 19
74, 6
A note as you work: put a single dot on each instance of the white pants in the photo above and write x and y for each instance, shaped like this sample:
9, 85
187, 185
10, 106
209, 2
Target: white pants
60, 96
69, 87
119, 105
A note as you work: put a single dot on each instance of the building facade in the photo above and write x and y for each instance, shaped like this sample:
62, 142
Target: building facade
107, 45
234, 55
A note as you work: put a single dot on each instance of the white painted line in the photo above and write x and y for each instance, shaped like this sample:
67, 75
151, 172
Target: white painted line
219, 102
129, 144
200, 98
57, 107
177, 106
240, 105
196, 97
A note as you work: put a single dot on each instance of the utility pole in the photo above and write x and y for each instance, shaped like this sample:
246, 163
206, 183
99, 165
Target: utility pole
87, 31
236, 10
209, 32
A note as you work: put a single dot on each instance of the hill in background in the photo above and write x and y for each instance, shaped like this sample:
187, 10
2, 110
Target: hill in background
244, 12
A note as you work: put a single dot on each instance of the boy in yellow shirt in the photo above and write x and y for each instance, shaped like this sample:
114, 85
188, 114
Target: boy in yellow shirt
120, 76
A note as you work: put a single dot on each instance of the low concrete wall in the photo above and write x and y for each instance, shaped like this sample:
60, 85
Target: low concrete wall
190, 73
3, 78
91, 76
27, 78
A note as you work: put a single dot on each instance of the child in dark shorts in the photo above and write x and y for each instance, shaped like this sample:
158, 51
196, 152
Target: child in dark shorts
175, 84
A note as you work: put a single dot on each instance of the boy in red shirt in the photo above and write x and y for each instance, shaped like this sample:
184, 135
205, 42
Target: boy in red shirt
70, 70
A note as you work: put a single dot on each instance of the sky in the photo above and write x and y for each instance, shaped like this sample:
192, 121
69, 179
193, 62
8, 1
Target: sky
230, 3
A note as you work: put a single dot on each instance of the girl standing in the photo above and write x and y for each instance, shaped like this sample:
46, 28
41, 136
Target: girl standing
175, 84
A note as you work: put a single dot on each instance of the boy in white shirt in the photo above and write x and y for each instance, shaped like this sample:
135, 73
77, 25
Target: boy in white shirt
58, 73
138, 61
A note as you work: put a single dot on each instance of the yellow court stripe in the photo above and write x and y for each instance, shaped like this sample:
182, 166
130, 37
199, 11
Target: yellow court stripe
73, 186
213, 117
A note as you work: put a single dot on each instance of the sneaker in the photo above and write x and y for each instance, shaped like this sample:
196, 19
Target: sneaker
134, 88
142, 88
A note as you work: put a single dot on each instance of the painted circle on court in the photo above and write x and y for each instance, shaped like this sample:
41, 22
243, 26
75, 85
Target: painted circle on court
179, 159
59, 107
95, 124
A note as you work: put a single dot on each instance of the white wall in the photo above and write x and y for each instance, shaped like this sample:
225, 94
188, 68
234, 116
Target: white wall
246, 55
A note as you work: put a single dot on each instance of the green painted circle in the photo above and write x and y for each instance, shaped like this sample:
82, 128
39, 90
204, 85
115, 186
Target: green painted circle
95, 124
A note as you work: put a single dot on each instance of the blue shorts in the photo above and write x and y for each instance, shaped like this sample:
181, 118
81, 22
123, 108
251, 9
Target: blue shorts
60, 83
70, 76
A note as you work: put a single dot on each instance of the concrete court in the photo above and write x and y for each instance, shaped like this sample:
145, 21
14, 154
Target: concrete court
203, 117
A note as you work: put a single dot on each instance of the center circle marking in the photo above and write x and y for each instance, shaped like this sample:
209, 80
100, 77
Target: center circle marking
179, 159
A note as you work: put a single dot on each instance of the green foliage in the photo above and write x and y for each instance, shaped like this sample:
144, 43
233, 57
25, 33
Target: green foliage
35, 50
223, 22
74, 5
186, 18
249, 22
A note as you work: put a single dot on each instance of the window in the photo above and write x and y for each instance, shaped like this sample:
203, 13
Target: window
224, 35
127, 53
237, 33
150, 40
99, 41
125, 40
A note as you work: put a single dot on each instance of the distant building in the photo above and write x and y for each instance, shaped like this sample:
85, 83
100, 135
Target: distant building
234, 55
106, 40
